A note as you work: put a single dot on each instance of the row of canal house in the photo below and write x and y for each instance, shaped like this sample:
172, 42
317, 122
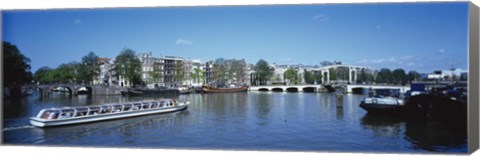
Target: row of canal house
172, 71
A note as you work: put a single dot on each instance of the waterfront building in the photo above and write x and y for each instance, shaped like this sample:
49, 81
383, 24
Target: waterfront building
225, 72
152, 69
174, 73
454, 74
193, 69
279, 73
208, 72
105, 75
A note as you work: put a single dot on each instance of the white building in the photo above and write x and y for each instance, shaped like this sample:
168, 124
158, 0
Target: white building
151, 66
105, 77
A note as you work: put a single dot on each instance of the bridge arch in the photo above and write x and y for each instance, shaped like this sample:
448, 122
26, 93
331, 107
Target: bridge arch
263, 89
70, 89
292, 89
85, 90
309, 89
277, 89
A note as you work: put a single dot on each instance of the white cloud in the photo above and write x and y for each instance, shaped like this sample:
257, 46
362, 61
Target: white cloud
183, 42
441, 51
321, 17
77, 21
404, 60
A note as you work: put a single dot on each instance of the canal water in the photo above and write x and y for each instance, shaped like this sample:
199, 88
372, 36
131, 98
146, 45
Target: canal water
238, 121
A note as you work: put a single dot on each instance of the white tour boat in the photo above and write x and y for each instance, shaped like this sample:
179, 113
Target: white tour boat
82, 114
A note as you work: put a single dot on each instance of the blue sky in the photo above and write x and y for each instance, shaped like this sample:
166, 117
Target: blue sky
414, 36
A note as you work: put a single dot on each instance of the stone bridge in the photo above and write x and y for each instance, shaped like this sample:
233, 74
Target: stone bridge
346, 88
292, 88
73, 89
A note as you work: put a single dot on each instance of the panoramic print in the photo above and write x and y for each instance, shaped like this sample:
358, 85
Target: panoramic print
384, 77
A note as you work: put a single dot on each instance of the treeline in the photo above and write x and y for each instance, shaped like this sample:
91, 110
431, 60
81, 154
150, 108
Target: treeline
264, 73
85, 72
16, 66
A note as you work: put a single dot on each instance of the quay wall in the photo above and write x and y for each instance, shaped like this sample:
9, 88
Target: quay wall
104, 90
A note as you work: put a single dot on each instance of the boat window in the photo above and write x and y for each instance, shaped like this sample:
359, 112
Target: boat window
94, 110
106, 109
145, 105
137, 106
81, 111
117, 108
66, 113
162, 104
127, 107
154, 105
50, 114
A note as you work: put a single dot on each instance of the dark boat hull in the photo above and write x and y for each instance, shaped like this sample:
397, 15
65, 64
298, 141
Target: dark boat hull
139, 92
382, 109
224, 90
437, 108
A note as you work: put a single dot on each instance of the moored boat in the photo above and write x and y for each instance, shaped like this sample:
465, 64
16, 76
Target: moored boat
82, 114
207, 89
384, 102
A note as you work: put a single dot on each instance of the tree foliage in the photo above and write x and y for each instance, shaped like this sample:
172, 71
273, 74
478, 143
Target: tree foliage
41, 74
156, 74
291, 75
129, 66
262, 71
16, 66
332, 74
384, 76
89, 68
197, 75
413, 76
365, 76
399, 76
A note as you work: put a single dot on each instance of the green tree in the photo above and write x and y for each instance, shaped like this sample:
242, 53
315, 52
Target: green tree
237, 71
197, 75
333, 74
89, 68
263, 71
128, 66
413, 76
291, 75
309, 77
365, 76
156, 74
16, 67
399, 76
67, 73
384, 76
41, 74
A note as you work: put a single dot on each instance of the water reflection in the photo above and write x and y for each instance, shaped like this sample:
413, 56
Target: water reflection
339, 108
434, 136
383, 126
